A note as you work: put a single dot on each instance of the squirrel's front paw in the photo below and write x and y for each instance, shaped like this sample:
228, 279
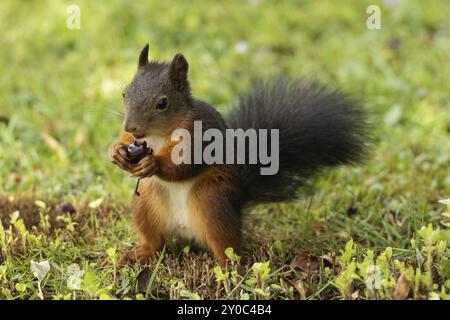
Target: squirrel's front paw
146, 167
118, 156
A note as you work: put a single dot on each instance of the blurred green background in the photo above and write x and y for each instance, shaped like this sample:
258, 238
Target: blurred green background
60, 91
59, 87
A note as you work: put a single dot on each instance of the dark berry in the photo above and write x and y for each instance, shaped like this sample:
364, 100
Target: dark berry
137, 150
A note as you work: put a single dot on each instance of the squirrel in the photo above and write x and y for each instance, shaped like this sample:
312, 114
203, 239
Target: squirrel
318, 128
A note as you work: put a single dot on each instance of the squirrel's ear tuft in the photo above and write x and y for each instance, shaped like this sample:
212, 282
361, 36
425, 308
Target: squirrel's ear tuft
178, 70
143, 57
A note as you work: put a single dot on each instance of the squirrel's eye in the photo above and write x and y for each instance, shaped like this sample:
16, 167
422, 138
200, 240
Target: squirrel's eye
123, 95
162, 104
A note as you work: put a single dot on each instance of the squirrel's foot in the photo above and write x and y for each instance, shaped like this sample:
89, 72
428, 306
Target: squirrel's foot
140, 254
146, 167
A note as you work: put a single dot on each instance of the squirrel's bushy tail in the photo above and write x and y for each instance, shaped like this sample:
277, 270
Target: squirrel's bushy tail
318, 128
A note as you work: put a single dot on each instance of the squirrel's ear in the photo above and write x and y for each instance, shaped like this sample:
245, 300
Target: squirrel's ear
178, 69
143, 57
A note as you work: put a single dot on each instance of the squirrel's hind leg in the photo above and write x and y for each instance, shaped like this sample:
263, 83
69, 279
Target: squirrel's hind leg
217, 223
148, 220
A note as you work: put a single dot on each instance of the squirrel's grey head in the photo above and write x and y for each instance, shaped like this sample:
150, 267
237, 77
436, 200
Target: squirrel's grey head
158, 98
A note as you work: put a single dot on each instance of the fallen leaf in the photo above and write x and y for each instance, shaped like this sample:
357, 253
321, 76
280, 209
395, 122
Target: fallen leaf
143, 279
306, 262
402, 289
301, 289
40, 270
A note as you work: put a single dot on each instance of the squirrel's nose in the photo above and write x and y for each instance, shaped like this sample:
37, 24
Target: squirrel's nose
133, 128
130, 129
135, 133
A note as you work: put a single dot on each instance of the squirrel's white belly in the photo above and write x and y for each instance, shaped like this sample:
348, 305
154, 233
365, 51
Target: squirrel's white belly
178, 194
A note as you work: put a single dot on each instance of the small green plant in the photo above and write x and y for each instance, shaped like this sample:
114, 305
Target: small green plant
44, 219
19, 225
258, 279
112, 257
383, 277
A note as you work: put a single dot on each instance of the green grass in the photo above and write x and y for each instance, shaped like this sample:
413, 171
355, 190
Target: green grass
58, 92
